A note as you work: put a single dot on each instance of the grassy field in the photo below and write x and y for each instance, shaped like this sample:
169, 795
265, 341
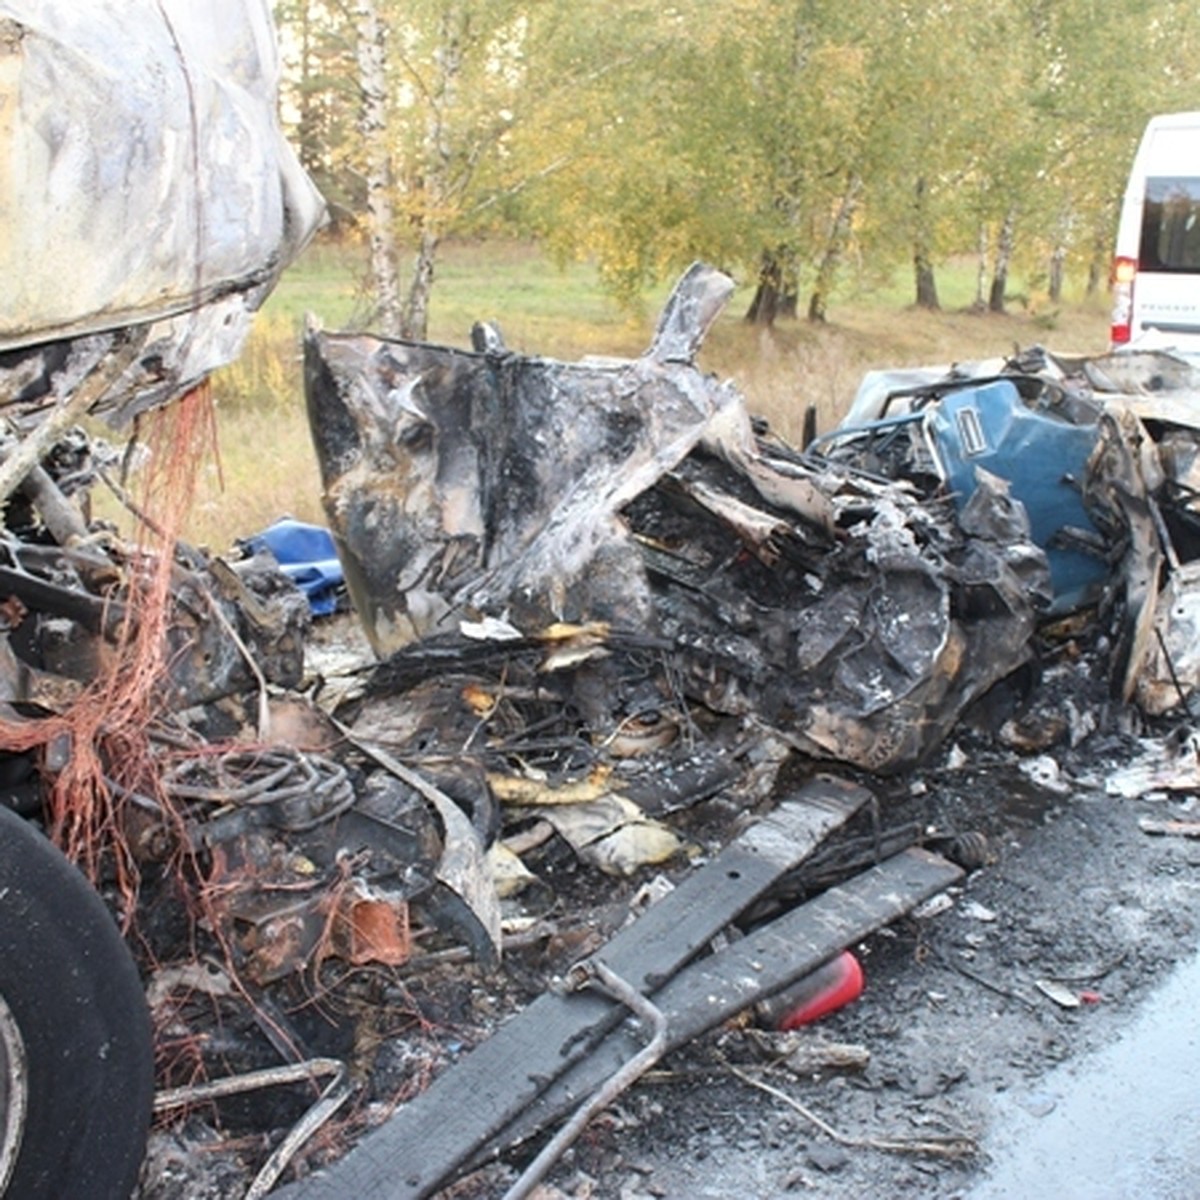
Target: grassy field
266, 465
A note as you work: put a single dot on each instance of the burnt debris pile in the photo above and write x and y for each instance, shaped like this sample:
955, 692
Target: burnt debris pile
619, 638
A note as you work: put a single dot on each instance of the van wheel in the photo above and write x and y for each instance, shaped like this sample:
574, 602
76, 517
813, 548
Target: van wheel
76, 1057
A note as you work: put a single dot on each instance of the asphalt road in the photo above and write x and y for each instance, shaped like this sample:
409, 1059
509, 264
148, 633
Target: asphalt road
1119, 1123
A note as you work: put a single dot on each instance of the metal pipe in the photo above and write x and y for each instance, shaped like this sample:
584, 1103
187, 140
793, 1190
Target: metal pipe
595, 973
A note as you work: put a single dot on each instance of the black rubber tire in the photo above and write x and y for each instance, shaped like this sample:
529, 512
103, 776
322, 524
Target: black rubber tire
73, 991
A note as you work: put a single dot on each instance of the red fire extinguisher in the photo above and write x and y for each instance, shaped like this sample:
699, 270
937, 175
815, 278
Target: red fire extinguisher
814, 995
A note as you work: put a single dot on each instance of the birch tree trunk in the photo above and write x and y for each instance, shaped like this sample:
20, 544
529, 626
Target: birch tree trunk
1004, 250
981, 267
1058, 256
835, 244
439, 186
923, 277
775, 295
416, 304
308, 135
371, 50
1098, 262
1058, 260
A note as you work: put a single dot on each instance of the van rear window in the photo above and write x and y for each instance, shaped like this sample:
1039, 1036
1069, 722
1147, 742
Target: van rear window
1171, 225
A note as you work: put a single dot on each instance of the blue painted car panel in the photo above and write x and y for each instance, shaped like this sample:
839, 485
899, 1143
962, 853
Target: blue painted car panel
1042, 456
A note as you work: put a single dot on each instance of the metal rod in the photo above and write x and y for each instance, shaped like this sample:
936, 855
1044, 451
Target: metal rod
338, 1091
594, 973
235, 1085
113, 363
953, 1146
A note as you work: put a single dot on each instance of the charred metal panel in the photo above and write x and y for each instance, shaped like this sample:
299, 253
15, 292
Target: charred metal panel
144, 183
124, 206
845, 613
866, 653
460, 481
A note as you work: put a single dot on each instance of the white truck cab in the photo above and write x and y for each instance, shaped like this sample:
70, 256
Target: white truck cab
1156, 270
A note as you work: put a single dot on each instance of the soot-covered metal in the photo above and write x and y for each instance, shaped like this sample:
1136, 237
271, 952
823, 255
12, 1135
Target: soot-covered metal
472, 486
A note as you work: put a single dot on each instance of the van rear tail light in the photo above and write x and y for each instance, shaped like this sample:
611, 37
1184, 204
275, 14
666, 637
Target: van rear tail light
1124, 270
1123, 275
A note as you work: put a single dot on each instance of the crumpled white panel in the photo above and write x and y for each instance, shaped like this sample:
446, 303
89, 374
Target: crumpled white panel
142, 170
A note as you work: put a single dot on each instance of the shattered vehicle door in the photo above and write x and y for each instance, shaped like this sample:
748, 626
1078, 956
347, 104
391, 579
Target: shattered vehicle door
1044, 458
1010, 427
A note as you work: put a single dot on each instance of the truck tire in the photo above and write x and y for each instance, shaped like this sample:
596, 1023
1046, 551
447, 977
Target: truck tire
76, 1056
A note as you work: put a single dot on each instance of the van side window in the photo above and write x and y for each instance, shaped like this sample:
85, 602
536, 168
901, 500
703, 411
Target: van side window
1171, 225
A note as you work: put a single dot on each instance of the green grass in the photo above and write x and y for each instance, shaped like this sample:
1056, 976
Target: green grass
540, 307
267, 464
328, 280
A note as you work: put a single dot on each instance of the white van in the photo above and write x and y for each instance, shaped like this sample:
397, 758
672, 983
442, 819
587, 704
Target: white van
1156, 271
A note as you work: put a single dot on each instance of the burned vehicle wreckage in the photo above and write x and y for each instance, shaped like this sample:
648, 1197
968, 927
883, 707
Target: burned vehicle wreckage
136, 248
631, 508
634, 667
611, 617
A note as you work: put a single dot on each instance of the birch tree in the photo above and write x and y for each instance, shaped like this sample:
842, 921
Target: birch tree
461, 87
779, 140
439, 87
322, 102
371, 50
